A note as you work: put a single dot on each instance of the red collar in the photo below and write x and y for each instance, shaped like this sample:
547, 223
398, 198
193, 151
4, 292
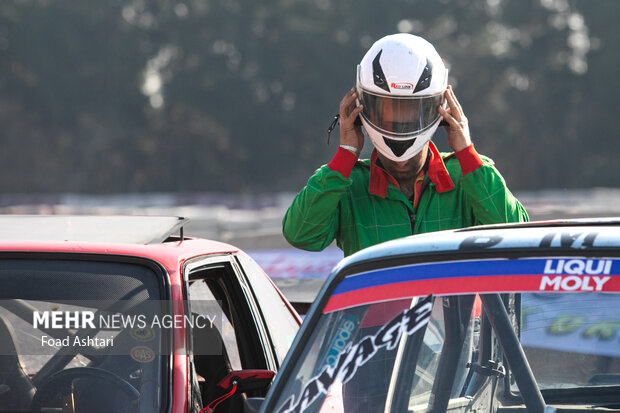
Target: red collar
437, 172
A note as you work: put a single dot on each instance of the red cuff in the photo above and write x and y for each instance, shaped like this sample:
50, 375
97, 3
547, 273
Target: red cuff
468, 159
343, 162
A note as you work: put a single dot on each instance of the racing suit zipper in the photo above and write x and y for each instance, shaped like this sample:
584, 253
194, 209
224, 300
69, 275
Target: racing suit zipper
412, 218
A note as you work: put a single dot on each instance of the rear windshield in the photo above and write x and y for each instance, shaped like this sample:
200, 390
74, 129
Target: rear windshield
62, 336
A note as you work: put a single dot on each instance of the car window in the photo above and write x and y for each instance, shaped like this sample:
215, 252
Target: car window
383, 380
202, 301
280, 321
428, 359
438, 345
241, 322
572, 340
61, 335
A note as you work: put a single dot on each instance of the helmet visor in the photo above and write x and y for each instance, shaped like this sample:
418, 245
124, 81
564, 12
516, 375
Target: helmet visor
401, 115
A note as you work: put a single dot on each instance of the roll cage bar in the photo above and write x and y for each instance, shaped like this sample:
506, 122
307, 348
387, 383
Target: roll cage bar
457, 310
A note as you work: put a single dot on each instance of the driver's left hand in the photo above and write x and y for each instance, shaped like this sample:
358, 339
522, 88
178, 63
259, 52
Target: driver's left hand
457, 128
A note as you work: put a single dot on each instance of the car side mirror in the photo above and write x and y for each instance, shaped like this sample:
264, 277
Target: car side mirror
247, 380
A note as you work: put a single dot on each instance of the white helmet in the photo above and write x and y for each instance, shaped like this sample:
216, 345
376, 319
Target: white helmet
401, 82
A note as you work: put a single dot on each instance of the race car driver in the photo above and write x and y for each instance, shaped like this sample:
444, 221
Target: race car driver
407, 186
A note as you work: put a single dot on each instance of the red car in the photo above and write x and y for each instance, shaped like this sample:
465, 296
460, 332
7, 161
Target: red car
125, 314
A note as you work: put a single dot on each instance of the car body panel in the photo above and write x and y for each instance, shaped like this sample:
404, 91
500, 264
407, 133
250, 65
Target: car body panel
556, 259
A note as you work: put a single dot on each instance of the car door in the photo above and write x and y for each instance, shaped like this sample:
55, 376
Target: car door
235, 338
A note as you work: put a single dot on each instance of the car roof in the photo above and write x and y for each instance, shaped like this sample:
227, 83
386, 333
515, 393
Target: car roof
83, 228
139, 236
559, 235
434, 261
553, 238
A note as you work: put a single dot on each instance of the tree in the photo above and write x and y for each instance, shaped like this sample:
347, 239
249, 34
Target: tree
230, 95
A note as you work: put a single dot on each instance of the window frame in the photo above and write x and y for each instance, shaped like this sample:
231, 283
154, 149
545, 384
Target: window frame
248, 313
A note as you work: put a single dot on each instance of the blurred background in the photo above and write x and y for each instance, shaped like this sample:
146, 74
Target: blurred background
218, 109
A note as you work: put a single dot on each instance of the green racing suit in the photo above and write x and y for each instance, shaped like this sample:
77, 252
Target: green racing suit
359, 204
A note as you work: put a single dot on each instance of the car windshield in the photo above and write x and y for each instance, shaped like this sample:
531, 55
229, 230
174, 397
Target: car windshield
364, 354
71, 334
572, 340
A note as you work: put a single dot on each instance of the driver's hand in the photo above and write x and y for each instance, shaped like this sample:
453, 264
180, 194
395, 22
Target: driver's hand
457, 128
350, 134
